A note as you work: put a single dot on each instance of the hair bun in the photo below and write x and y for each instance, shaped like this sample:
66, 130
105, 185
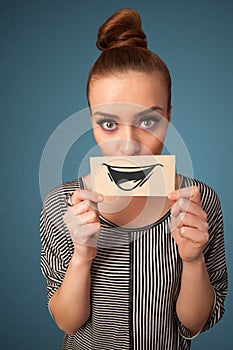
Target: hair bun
123, 28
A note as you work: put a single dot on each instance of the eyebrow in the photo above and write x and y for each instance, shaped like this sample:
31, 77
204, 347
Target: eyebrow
139, 114
106, 115
148, 110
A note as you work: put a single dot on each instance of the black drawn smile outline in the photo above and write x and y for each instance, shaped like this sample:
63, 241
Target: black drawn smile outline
137, 175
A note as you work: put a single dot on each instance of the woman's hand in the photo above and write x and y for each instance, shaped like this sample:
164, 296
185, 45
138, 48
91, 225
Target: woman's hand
189, 224
82, 220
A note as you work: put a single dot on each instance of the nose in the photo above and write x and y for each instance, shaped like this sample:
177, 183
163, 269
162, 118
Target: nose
129, 145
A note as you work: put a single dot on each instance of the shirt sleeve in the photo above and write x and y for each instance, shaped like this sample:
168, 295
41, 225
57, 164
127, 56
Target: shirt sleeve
56, 243
214, 254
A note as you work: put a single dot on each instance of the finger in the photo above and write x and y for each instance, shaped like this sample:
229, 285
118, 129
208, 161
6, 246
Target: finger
86, 235
186, 219
72, 220
176, 223
185, 205
87, 218
91, 205
85, 229
83, 207
80, 208
192, 193
199, 238
80, 195
176, 235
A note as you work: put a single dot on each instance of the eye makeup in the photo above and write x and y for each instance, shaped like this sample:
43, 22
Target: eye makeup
146, 120
107, 124
149, 122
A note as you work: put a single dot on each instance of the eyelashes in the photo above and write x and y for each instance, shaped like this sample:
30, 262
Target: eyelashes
146, 123
107, 124
149, 123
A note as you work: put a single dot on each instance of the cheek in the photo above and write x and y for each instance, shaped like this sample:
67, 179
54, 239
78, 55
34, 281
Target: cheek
99, 135
151, 144
155, 141
154, 146
105, 142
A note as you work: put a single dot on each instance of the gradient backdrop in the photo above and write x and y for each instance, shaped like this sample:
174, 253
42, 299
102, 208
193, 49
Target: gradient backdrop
46, 51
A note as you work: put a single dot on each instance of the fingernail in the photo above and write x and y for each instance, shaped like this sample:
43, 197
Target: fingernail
100, 197
171, 195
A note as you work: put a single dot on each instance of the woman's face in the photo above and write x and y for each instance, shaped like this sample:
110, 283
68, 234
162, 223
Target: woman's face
129, 113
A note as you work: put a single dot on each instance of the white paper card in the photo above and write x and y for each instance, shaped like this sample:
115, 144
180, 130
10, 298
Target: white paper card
133, 175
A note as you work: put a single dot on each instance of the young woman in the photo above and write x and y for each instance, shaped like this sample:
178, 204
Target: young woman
143, 274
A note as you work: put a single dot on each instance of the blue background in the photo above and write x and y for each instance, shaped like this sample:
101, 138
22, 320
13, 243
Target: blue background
46, 51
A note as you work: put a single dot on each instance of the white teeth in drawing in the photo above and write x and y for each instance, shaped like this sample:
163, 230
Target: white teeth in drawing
128, 178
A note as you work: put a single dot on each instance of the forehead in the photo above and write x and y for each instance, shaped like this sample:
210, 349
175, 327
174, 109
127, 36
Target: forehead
132, 88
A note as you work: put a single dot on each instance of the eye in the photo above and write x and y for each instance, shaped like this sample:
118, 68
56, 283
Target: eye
107, 124
149, 122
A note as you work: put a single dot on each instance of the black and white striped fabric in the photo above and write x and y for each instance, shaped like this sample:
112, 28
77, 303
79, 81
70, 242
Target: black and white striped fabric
135, 277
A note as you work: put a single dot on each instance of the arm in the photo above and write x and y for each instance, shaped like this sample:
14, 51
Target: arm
190, 231
196, 297
70, 304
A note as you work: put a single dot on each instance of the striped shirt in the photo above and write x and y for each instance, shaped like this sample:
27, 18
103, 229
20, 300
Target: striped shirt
135, 277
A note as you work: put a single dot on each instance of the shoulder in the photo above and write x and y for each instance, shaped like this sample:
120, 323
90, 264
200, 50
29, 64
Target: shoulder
54, 206
56, 197
55, 237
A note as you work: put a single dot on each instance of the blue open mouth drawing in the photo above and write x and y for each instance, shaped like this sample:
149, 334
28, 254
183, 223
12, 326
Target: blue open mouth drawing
128, 178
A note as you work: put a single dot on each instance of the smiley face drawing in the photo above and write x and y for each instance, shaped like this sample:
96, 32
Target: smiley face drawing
133, 176
128, 178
